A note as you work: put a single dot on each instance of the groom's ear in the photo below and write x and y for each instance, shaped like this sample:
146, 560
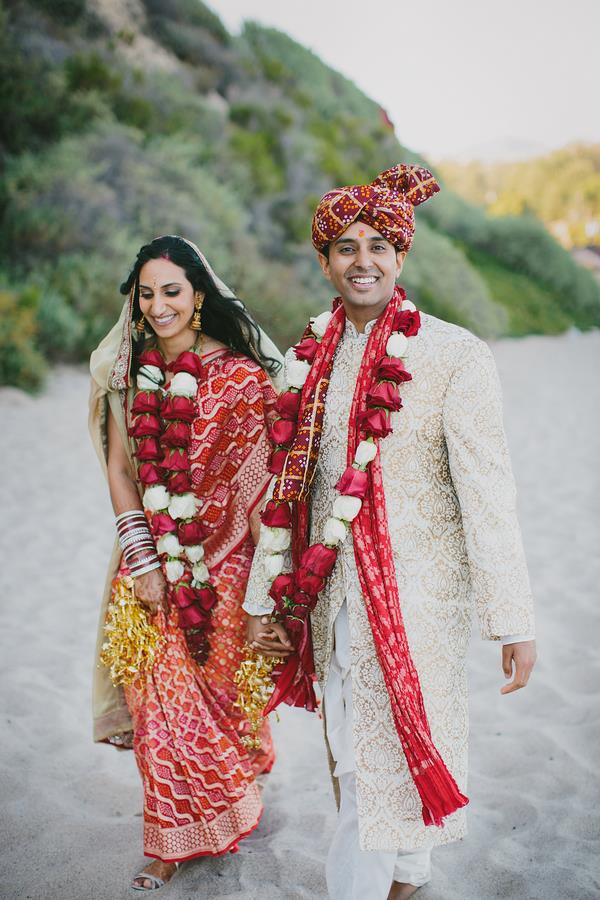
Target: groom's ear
400, 257
324, 263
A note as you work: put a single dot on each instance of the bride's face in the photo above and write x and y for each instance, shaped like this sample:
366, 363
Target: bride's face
166, 298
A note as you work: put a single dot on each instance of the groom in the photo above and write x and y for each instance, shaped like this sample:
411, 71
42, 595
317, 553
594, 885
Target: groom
395, 491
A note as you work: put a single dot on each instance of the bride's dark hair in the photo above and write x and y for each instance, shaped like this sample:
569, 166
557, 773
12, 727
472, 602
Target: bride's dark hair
223, 318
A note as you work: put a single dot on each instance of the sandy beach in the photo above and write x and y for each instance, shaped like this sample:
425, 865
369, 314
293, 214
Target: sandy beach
71, 826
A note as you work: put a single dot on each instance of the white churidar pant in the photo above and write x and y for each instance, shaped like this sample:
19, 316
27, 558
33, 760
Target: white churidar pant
352, 873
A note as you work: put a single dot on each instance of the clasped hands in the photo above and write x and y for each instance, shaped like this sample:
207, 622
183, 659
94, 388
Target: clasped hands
268, 637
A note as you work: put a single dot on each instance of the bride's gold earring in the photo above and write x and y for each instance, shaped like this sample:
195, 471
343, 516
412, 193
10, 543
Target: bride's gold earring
140, 325
196, 323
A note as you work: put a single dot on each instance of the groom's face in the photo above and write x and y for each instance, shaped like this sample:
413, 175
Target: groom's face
363, 267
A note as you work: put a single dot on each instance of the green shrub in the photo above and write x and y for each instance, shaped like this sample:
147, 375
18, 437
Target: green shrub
67, 11
531, 307
189, 13
89, 71
61, 328
443, 282
256, 150
523, 245
20, 363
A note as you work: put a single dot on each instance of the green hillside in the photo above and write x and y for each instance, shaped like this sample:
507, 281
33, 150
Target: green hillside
117, 129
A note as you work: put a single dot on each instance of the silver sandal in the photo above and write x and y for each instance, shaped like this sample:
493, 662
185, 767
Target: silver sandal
156, 882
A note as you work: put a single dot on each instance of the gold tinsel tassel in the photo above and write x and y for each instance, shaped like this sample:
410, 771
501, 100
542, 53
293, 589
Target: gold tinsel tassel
131, 640
255, 686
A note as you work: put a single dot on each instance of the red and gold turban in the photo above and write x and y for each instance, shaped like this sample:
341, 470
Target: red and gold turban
387, 205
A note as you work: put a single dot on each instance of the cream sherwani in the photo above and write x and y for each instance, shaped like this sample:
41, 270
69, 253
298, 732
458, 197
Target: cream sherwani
450, 500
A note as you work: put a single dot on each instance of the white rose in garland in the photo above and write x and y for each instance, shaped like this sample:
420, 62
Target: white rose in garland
274, 565
346, 508
182, 506
397, 345
365, 453
169, 544
296, 372
195, 553
183, 385
335, 532
156, 498
149, 378
200, 572
319, 324
275, 540
174, 570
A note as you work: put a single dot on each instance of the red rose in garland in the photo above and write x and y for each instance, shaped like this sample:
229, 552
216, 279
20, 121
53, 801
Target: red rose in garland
193, 617
408, 321
288, 404
148, 449
149, 474
190, 533
375, 423
319, 560
306, 349
177, 434
276, 515
385, 395
179, 483
392, 369
187, 362
146, 425
309, 583
276, 463
206, 598
182, 408
152, 358
176, 460
353, 483
283, 432
183, 596
162, 523
282, 586
145, 402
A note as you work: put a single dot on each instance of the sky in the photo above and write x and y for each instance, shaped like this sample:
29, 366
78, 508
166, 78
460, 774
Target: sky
458, 78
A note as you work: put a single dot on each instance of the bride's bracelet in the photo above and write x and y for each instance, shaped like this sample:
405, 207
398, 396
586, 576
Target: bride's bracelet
137, 543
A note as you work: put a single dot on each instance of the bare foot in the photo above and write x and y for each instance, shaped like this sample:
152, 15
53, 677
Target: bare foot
158, 868
401, 891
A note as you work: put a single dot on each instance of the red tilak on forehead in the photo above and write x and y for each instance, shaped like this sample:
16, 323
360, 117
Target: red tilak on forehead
361, 233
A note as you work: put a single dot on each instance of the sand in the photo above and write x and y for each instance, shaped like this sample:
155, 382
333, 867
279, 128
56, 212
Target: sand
71, 811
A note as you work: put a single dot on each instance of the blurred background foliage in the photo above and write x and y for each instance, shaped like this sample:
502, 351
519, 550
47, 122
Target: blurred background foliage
561, 188
122, 121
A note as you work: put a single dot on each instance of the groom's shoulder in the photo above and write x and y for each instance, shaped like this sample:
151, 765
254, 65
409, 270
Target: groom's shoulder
437, 335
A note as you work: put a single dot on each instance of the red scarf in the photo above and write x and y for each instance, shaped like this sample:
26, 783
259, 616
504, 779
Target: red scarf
374, 559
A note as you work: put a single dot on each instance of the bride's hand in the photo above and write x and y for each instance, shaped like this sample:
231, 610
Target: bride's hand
151, 590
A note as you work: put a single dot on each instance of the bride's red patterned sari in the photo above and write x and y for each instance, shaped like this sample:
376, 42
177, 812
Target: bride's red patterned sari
200, 792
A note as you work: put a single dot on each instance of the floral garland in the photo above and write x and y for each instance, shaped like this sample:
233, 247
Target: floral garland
296, 595
161, 426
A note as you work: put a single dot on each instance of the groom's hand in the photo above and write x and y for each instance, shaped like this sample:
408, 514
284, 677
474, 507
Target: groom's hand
267, 637
518, 658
